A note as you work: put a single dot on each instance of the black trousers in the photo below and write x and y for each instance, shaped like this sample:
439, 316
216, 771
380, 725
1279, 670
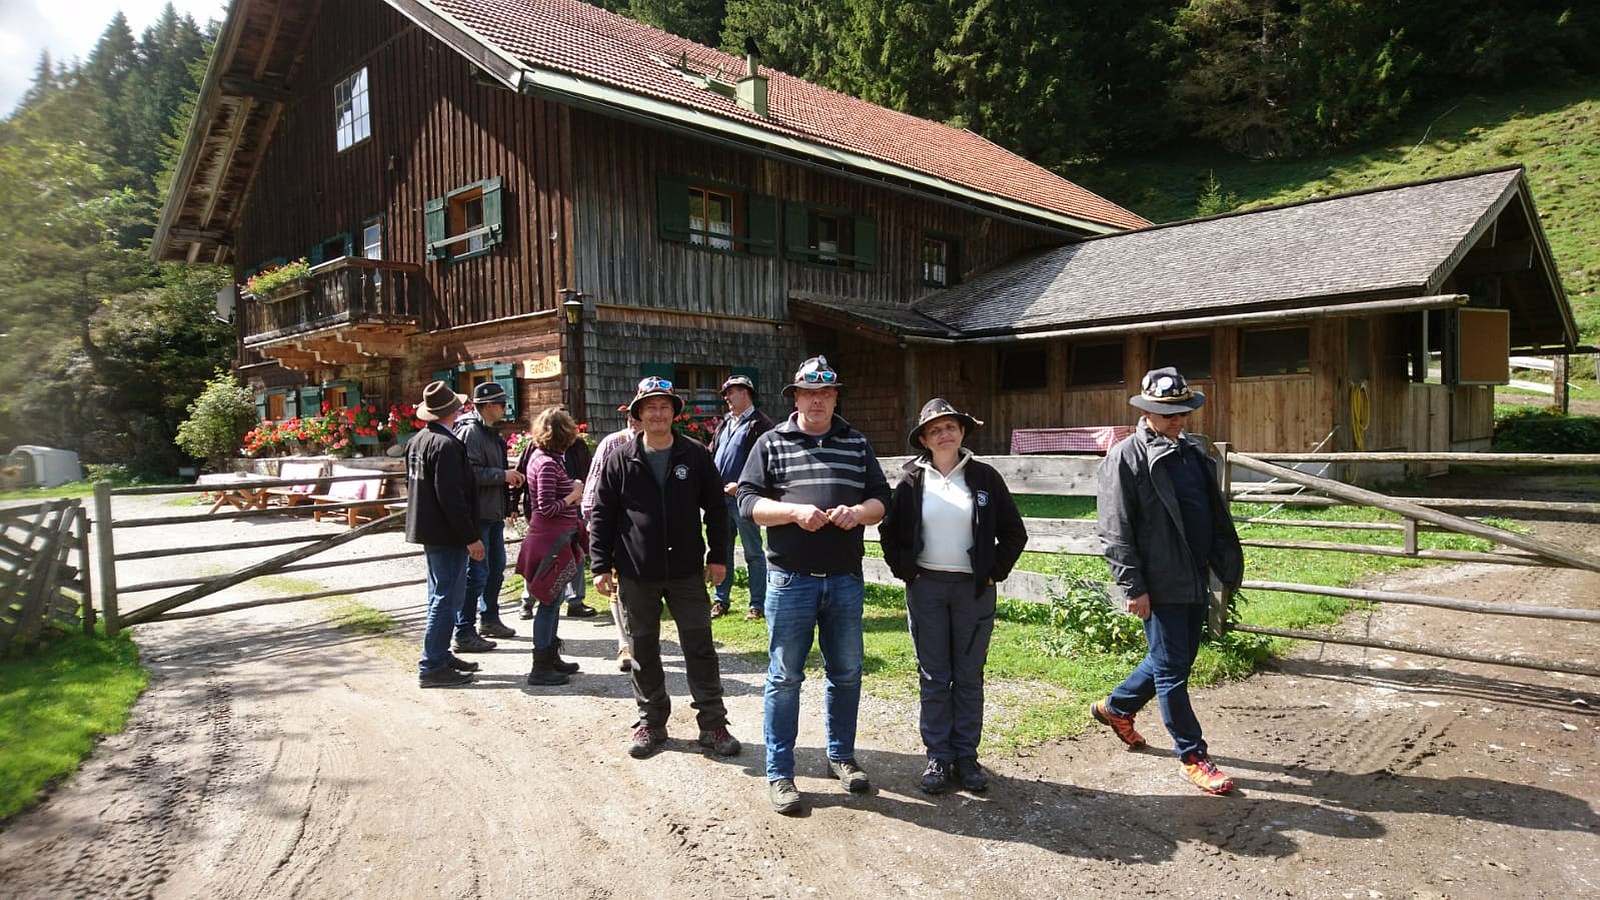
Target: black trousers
690, 605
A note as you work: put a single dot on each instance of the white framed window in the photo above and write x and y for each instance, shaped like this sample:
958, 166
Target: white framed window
711, 218
352, 117
372, 244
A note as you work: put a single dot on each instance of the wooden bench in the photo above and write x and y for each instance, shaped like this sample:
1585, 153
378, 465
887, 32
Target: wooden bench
366, 489
295, 494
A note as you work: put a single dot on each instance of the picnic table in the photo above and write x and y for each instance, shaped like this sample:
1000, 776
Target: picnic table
237, 490
1080, 439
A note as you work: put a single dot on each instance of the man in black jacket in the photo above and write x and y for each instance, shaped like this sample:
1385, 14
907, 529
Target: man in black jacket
645, 544
442, 516
486, 451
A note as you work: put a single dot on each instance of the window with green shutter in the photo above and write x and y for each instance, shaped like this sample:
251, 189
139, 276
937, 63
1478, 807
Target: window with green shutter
831, 237
714, 216
310, 401
469, 221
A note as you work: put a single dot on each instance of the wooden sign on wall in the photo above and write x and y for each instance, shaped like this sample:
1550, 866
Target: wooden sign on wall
542, 369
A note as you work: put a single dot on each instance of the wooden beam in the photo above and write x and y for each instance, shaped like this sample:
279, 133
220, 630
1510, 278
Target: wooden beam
254, 90
1515, 256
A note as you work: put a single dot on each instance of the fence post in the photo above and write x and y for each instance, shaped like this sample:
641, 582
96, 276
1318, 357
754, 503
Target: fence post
1224, 471
81, 529
1411, 536
106, 554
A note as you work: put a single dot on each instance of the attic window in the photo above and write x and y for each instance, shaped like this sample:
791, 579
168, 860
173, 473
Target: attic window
352, 118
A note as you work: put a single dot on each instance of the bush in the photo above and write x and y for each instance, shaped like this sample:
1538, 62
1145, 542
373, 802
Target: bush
1532, 430
218, 420
1085, 619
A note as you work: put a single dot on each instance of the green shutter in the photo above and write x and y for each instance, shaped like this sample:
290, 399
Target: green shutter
352, 390
795, 220
448, 376
261, 406
866, 233
291, 403
493, 214
659, 370
504, 374
311, 400
762, 222
433, 228
750, 372
672, 208
315, 256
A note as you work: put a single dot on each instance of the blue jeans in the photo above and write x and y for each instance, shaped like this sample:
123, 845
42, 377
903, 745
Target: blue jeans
755, 558
447, 585
798, 605
484, 578
1173, 633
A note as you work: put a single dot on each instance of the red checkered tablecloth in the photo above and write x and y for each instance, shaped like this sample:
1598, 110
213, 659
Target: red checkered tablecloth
1086, 439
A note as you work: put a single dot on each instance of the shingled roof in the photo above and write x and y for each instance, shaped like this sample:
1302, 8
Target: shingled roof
572, 38
1382, 242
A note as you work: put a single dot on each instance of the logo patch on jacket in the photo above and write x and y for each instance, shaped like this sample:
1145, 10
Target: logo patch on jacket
982, 497
680, 472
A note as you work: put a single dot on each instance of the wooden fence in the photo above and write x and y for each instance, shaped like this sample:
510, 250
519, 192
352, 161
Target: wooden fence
44, 581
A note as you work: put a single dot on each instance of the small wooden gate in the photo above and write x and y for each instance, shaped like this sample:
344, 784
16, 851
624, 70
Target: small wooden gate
43, 571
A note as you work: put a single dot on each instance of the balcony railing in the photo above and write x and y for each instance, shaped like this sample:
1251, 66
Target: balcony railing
346, 291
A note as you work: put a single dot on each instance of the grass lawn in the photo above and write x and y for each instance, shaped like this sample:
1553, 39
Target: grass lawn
55, 704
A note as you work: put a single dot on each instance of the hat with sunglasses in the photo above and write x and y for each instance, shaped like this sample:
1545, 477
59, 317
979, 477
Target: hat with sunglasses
814, 373
939, 408
1165, 393
654, 386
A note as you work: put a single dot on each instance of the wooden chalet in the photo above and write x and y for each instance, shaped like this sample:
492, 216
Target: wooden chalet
547, 194
1377, 320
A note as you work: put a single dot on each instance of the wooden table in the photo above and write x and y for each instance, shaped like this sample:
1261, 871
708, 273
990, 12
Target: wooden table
235, 490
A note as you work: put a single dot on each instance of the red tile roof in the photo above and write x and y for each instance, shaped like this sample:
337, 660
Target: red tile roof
592, 44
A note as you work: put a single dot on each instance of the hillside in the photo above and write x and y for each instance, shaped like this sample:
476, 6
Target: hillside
1554, 132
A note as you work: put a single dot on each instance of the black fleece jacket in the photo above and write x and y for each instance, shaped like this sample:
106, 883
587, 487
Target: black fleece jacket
998, 535
641, 531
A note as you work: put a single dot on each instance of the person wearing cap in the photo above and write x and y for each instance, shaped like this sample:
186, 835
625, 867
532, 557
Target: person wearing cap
607, 446
442, 516
655, 493
730, 447
951, 534
1166, 529
813, 482
486, 451
553, 548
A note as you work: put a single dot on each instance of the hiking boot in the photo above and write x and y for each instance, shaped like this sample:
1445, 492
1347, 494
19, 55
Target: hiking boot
1122, 725
784, 795
1204, 774
581, 610
646, 740
936, 777
563, 666
754, 615
718, 609
720, 741
846, 770
625, 662
972, 775
471, 643
544, 672
496, 630
461, 665
445, 677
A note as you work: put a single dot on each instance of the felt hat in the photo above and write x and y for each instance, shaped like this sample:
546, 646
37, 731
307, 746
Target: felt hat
813, 374
654, 386
1164, 392
938, 408
438, 401
489, 392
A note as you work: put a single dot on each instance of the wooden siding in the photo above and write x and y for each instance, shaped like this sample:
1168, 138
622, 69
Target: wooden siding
434, 129
624, 260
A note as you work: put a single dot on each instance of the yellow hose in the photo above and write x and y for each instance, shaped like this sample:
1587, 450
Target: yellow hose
1360, 414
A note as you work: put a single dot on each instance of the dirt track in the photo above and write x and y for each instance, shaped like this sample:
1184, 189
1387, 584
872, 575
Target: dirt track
275, 757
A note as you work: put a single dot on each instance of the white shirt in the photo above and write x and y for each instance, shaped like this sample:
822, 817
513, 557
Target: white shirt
946, 518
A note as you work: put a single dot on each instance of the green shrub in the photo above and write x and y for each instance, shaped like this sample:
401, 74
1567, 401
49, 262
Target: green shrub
1532, 430
218, 420
1084, 619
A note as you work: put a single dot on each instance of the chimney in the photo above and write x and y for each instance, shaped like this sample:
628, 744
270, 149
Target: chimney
751, 91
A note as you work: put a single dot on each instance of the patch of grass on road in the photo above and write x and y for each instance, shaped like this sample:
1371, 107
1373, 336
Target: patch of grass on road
54, 705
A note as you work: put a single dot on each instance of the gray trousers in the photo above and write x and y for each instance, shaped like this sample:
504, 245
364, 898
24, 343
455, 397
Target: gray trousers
950, 629
690, 605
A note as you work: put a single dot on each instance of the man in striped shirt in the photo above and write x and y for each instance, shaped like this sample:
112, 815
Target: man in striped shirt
814, 482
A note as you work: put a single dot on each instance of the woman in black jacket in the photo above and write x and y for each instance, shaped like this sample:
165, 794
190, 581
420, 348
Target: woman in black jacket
951, 533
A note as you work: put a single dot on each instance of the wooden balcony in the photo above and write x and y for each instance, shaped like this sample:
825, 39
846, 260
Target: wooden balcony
348, 311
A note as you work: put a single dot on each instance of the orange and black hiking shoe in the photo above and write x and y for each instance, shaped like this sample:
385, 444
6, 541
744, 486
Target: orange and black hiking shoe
1199, 769
1122, 725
